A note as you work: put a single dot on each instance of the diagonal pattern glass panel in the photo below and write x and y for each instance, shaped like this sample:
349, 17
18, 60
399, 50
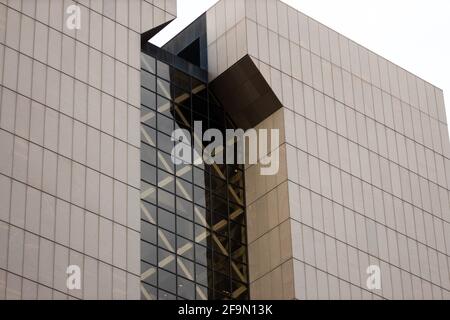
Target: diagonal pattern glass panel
193, 217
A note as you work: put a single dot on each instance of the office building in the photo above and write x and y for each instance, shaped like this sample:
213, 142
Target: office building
87, 177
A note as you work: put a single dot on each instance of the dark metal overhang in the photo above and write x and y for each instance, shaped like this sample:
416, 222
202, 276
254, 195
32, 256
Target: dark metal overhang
245, 94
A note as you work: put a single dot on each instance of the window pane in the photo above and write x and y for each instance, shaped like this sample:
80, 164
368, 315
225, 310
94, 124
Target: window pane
148, 116
166, 181
185, 228
167, 281
148, 81
166, 240
165, 143
148, 253
148, 192
166, 200
165, 162
166, 260
165, 124
202, 255
186, 268
184, 208
163, 88
148, 232
148, 212
150, 291
201, 274
166, 220
148, 135
163, 70
148, 173
185, 248
184, 189
148, 154
151, 273
163, 105
186, 289
148, 99
148, 63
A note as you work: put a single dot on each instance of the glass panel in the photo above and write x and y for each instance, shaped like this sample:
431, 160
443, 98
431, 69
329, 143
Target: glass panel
163, 105
148, 135
165, 143
201, 178
176, 252
148, 99
163, 70
181, 97
202, 275
167, 281
166, 296
186, 289
185, 248
148, 63
165, 124
165, 162
185, 228
201, 235
185, 208
148, 81
186, 268
200, 196
148, 173
166, 260
150, 292
148, 154
201, 216
148, 253
200, 106
184, 189
148, 212
166, 181
166, 220
148, 232
166, 200
184, 171
148, 192
202, 255
166, 240
202, 293
150, 273
222, 284
148, 117
180, 79
163, 88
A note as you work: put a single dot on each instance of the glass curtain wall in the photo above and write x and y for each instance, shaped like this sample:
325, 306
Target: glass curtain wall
193, 232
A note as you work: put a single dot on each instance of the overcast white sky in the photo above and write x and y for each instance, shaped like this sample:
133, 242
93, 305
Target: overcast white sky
414, 34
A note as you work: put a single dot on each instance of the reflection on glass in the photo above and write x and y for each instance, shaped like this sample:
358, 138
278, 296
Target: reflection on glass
148, 81
163, 70
193, 218
186, 289
148, 98
166, 260
166, 220
185, 228
185, 208
166, 200
167, 281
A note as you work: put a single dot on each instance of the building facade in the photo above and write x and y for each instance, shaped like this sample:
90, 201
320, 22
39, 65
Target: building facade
70, 140
87, 178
